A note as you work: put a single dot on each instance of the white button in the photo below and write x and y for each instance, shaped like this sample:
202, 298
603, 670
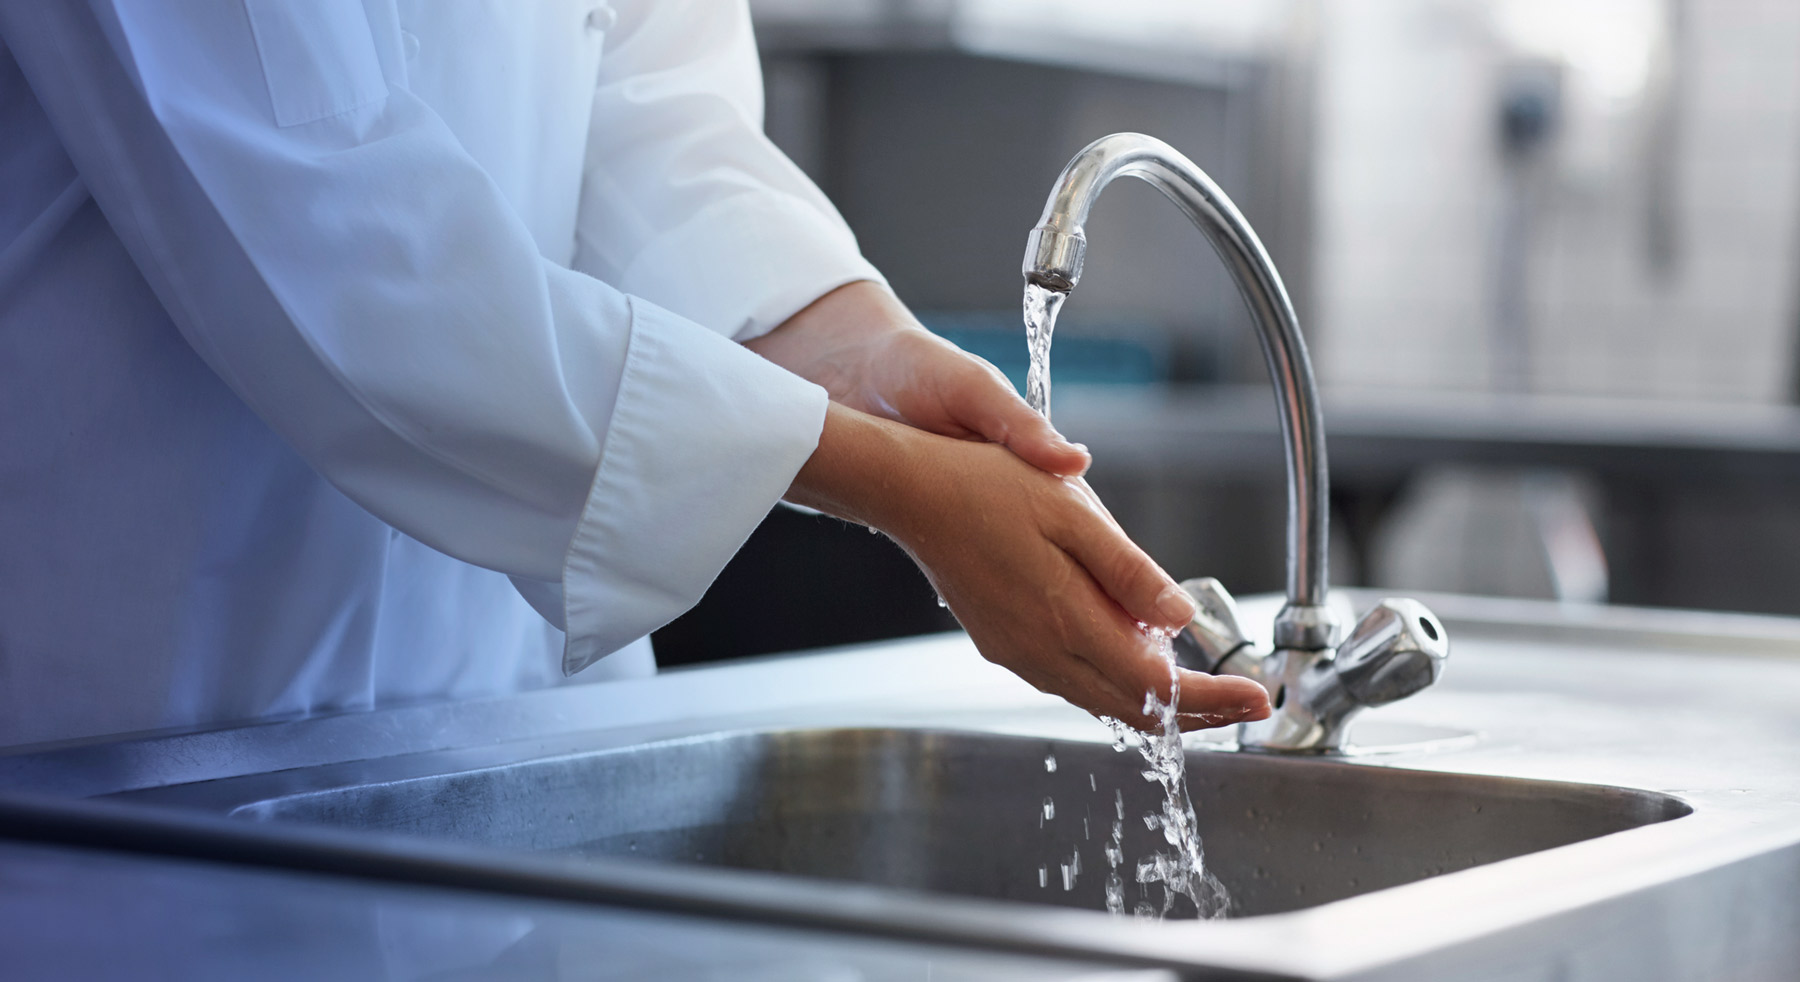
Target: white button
409, 44
602, 18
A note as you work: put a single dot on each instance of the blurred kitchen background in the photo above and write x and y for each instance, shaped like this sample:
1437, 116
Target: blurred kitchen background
1543, 251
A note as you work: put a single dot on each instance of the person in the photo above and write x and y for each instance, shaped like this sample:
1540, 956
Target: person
359, 352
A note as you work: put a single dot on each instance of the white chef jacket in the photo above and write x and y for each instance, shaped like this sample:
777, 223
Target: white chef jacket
337, 335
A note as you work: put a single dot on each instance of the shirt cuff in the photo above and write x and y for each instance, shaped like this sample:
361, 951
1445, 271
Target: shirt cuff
757, 259
705, 437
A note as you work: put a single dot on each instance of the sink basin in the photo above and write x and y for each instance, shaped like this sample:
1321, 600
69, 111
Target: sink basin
963, 813
918, 769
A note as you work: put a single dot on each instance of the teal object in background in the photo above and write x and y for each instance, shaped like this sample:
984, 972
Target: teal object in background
1131, 355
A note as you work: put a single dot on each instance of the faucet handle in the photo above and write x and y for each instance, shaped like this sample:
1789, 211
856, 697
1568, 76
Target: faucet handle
1213, 635
1396, 649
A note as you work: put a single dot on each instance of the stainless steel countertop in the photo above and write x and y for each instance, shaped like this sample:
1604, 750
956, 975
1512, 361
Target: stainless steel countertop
1699, 706
69, 913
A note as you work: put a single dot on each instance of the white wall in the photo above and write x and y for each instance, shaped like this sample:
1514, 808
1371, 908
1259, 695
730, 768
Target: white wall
1409, 189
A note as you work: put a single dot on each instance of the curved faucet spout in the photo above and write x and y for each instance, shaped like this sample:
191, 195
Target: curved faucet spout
1053, 257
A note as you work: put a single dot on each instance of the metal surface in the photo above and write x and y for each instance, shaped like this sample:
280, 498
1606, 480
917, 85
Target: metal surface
1311, 700
1694, 707
68, 913
961, 813
1394, 651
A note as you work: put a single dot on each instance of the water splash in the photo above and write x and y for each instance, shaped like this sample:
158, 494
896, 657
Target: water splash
1115, 854
1181, 872
1041, 306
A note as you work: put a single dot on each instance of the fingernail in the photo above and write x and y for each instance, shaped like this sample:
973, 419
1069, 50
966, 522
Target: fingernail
1174, 604
1080, 446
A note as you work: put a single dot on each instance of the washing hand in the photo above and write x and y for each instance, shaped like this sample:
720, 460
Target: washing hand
1037, 571
868, 351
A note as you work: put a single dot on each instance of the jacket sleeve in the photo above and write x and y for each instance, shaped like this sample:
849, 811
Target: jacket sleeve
678, 109
325, 244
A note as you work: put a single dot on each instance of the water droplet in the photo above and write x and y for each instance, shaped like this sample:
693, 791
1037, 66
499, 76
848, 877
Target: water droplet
1050, 763
1049, 809
1043, 877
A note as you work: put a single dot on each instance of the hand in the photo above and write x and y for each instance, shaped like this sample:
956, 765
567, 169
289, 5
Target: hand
1035, 569
870, 354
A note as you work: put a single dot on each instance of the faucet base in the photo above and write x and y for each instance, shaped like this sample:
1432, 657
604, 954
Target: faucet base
1397, 648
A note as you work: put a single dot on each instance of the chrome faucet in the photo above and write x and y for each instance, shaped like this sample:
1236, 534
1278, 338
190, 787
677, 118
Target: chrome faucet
1316, 680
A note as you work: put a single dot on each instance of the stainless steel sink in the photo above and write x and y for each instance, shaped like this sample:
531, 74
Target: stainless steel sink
963, 813
919, 768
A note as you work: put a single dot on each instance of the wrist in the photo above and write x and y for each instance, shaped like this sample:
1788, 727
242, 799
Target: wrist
865, 470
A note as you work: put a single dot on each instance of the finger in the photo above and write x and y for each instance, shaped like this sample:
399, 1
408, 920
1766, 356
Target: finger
1081, 685
1135, 664
1222, 695
1210, 721
1107, 639
1103, 697
1124, 573
985, 402
1102, 661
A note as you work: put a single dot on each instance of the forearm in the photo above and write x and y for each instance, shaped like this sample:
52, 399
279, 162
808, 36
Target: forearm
831, 340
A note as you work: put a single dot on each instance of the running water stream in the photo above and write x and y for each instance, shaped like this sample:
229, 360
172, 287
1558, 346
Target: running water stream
1181, 872
1041, 306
